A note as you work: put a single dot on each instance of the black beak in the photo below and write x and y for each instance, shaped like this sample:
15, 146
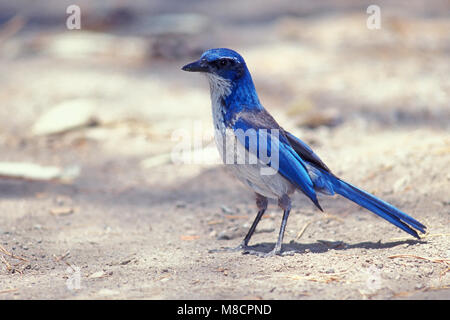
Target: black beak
196, 66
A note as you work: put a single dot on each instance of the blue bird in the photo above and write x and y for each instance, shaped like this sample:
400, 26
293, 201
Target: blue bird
251, 143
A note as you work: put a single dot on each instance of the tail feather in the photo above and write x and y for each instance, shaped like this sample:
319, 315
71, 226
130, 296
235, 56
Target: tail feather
377, 206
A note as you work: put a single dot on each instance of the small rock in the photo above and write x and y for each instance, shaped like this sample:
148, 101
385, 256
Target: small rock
400, 184
68, 115
213, 233
226, 210
97, 274
180, 205
125, 262
223, 235
29, 171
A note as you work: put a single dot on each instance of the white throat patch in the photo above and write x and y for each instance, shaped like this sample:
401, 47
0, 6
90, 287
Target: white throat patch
220, 87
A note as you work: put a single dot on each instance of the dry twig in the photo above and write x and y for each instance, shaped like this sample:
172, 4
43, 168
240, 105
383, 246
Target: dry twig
425, 236
8, 290
439, 260
324, 278
302, 231
4, 251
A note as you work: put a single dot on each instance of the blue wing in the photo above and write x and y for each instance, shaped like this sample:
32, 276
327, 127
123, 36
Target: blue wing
305, 152
290, 165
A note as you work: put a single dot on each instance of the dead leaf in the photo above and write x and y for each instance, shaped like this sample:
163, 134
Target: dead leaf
189, 238
212, 222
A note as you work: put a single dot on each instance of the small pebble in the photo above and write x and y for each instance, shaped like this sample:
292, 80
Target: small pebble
180, 205
226, 210
213, 233
223, 236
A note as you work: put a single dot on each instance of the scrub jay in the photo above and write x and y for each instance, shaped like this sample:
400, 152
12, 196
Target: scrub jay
265, 157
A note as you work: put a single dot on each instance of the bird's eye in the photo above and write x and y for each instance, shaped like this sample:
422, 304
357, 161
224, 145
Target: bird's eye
223, 62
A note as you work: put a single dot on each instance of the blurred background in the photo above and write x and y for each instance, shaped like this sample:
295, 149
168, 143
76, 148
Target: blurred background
88, 117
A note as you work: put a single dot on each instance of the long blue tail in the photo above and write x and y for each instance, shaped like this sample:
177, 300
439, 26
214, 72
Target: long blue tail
377, 206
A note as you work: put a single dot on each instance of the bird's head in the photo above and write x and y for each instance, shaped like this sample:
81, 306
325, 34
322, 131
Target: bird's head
229, 78
222, 62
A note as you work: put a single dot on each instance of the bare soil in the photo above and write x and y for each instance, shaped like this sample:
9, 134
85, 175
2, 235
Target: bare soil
134, 225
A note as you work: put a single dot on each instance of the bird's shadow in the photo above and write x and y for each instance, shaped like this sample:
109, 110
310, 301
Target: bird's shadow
322, 246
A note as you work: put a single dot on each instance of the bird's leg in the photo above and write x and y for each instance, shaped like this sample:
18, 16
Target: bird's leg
261, 203
285, 203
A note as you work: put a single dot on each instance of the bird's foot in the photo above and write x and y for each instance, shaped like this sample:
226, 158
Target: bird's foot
275, 252
247, 250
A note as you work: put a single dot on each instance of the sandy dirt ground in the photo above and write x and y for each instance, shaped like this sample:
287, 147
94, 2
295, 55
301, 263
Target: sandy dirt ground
141, 213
